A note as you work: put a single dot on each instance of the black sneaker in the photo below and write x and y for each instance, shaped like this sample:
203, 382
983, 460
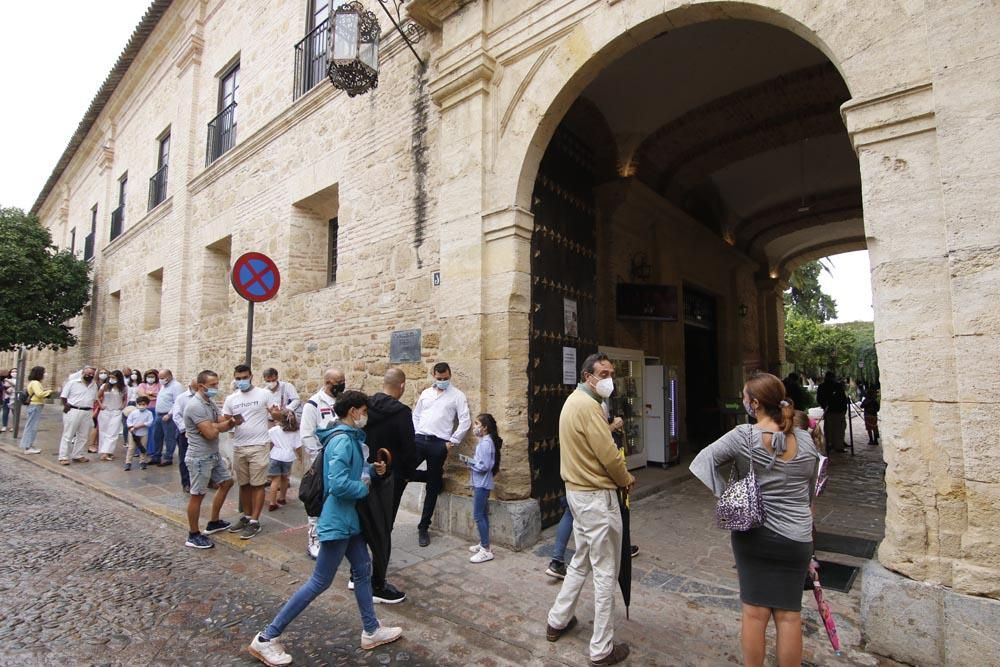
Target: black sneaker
216, 526
423, 539
389, 594
635, 550
240, 525
199, 541
128, 466
556, 569
142, 465
251, 529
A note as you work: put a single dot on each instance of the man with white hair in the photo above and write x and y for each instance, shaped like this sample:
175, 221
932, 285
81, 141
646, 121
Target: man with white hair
318, 413
78, 398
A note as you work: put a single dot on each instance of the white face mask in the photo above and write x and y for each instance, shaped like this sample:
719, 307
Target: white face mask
112, 380
361, 421
272, 385
150, 380
103, 376
605, 387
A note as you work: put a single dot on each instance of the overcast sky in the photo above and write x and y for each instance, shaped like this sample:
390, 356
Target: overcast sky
55, 56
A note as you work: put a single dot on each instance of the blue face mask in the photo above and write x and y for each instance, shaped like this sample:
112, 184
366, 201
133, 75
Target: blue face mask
442, 384
243, 385
211, 392
750, 410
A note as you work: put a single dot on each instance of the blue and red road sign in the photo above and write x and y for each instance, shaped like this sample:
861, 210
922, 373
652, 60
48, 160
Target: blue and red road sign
255, 277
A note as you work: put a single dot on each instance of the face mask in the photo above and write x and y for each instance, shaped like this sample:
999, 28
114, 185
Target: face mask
478, 431
361, 421
135, 378
103, 376
150, 379
142, 409
243, 385
164, 380
211, 392
605, 387
88, 378
337, 389
272, 385
442, 384
113, 381
750, 410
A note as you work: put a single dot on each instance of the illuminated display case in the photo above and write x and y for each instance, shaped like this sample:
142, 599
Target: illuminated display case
626, 401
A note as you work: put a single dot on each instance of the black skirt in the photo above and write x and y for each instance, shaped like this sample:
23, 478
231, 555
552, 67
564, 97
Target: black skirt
771, 568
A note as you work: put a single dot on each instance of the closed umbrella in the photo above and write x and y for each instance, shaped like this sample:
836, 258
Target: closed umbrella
824, 607
625, 571
375, 514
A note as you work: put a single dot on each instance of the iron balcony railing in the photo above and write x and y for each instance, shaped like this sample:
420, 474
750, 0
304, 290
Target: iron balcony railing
311, 59
221, 134
117, 221
158, 187
88, 247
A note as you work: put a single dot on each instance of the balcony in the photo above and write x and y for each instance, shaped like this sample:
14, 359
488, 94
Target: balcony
311, 59
221, 134
158, 187
88, 247
117, 222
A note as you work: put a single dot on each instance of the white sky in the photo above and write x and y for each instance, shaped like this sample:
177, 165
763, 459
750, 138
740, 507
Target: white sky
55, 56
850, 286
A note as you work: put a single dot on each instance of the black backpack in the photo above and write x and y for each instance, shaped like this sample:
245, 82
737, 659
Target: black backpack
311, 486
24, 396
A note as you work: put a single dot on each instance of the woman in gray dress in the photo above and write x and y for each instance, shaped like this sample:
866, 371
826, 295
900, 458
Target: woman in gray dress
771, 560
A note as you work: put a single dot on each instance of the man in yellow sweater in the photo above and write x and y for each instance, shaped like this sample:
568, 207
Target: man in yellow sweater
593, 471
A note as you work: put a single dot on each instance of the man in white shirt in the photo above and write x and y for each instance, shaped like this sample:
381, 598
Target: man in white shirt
251, 447
161, 453
434, 416
177, 415
78, 398
318, 413
286, 395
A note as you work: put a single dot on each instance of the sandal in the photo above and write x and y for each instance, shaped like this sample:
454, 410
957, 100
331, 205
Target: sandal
282, 501
272, 507
81, 459
64, 462
92, 450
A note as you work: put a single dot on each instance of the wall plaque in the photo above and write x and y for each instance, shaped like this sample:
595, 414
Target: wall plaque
404, 346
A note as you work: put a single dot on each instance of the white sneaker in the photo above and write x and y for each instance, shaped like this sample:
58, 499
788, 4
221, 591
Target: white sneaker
271, 653
482, 556
381, 636
476, 548
350, 584
32, 450
313, 547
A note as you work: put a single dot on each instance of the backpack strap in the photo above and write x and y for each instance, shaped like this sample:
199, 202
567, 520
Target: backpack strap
313, 403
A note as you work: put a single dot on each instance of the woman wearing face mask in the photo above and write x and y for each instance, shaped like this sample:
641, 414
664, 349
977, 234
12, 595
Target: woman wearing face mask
150, 389
131, 394
111, 397
95, 434
8, 380
771, 560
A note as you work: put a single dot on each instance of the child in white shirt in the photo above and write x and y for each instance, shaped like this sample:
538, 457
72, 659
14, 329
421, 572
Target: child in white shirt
139, 422
286, 446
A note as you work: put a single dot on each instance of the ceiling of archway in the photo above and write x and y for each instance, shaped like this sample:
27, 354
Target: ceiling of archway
738, 124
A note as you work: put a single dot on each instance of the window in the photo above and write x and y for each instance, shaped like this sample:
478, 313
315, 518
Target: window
222, 128
113, 316
331, 252
88, 242
158, 181
118, 215
154, 299
310, 52
72, 241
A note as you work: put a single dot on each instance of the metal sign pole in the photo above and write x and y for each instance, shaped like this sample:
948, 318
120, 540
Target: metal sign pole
249, 332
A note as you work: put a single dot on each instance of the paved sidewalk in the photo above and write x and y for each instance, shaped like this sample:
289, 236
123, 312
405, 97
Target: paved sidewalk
685, 606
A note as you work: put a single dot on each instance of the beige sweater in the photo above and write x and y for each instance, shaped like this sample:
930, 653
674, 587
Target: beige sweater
589, 459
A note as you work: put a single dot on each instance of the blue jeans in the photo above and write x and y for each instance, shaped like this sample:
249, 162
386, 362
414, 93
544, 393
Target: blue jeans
330, 554
563, 532
167, 439
153, 439
480, 514
31, 426
6, 411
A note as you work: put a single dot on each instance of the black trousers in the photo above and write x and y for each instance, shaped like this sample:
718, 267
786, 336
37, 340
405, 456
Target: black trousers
378, 572
435, 452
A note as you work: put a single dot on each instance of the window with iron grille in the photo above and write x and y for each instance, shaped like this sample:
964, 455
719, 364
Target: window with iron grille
222, 128
310, 52
118, 215
158, 181
331, 262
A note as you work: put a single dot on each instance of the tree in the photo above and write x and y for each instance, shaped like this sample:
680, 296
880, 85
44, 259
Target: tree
805, 297
43, 287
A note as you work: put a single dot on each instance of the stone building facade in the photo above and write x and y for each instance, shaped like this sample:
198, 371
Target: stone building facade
554, 149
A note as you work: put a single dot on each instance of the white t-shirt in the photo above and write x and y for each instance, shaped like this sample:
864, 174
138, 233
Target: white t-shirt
252, 405
285, 443
79, 394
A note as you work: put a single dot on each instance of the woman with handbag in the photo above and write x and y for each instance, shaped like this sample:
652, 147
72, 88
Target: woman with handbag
769, 510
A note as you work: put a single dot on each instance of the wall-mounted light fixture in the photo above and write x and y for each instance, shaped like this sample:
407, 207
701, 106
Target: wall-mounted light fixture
743, 310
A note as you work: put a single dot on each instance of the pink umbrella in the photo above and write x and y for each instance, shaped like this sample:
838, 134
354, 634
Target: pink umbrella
823, 606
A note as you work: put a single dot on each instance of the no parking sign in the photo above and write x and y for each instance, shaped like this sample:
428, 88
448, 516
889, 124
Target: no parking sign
256, 278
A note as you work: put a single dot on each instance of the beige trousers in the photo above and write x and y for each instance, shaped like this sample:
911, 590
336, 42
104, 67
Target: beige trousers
597, 531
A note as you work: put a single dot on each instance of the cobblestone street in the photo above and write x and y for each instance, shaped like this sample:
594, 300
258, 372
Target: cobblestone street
95, 574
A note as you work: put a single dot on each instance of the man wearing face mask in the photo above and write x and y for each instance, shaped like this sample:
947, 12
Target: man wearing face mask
593, 471
317, 414
177, 415
164, 429
434, 416
251, 447
286, 397
78, 398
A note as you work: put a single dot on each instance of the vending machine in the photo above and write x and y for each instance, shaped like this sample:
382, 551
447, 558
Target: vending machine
627, 401
660, 415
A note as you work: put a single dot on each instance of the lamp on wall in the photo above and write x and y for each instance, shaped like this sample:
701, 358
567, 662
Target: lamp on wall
743, 310
354, 45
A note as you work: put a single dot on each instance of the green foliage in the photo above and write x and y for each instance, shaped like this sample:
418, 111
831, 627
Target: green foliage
42, 286
813, 348
804, 296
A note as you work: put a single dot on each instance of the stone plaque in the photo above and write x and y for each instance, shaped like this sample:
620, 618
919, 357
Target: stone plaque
404, 346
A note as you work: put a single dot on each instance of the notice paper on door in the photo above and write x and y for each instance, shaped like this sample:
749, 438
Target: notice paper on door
569, 365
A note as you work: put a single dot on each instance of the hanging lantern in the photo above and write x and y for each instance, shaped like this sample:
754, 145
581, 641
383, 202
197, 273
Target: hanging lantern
353, 49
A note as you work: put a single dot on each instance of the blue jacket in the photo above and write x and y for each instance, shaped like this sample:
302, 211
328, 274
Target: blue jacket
343, 465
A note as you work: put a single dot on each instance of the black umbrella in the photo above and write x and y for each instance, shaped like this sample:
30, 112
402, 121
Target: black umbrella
625, 571
375, 514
